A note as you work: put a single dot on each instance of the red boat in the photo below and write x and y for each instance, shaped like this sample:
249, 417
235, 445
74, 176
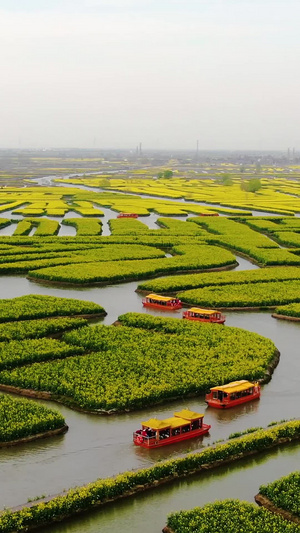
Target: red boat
127, 215
182, 426
162, 302
232, 394
204, 315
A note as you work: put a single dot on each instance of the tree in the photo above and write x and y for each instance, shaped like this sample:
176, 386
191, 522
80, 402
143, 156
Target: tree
252, 185
227, 179
168, 173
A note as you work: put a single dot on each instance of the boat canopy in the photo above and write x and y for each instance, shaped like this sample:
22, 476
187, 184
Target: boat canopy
154, 423
180, 419
234, 386
203, 311
186, 414
160, 298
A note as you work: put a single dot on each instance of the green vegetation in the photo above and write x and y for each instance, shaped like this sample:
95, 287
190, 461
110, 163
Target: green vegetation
244, 295
35, 329
292, 310
23, 418
121, 377
39, 306
189, 257
191, 281
17, 353
132, 367
90, 226
129, 226
232, 516
93, 494
284, 493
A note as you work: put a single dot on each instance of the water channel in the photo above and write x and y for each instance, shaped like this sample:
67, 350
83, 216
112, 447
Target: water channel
102, 446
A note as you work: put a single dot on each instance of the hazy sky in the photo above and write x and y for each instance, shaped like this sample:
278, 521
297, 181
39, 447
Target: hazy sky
113, 73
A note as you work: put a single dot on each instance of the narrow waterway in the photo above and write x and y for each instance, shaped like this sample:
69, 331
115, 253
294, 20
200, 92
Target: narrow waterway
147, 512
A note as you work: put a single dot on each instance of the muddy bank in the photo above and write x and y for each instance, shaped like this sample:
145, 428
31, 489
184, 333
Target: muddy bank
263, 501
286, 317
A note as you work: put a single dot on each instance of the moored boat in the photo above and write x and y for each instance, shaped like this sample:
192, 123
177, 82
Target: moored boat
127, 215
162, 302
204, 315
231, 394
183, 425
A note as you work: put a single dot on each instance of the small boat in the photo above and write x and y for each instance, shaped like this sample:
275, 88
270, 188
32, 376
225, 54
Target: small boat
204, 315
127, 215
232, 394
162, 302
183, 425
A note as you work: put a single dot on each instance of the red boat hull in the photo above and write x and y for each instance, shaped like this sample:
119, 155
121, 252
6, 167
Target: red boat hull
151, 443
159, 306
215, 321
127, 215
232, 403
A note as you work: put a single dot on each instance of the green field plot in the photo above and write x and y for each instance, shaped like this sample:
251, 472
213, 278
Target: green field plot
292, 310
189, 257
39, 306
34, 329
44, 227
244, 295
90, 226
24, 227
4, 222
78, 254
275, 256
276, 196
284, 493
17, 353
232, 516
87, 209
288, 238
132, 367
178, 227
23, 418
128, 226
190, 281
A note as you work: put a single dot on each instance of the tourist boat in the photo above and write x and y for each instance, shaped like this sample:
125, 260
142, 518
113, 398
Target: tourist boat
182, 426
127, 215
204, 315
232, 394
162, 302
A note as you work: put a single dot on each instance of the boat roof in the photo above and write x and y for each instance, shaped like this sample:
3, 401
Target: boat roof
187, 414
179, 419
158, 297
203, 311
234, 386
